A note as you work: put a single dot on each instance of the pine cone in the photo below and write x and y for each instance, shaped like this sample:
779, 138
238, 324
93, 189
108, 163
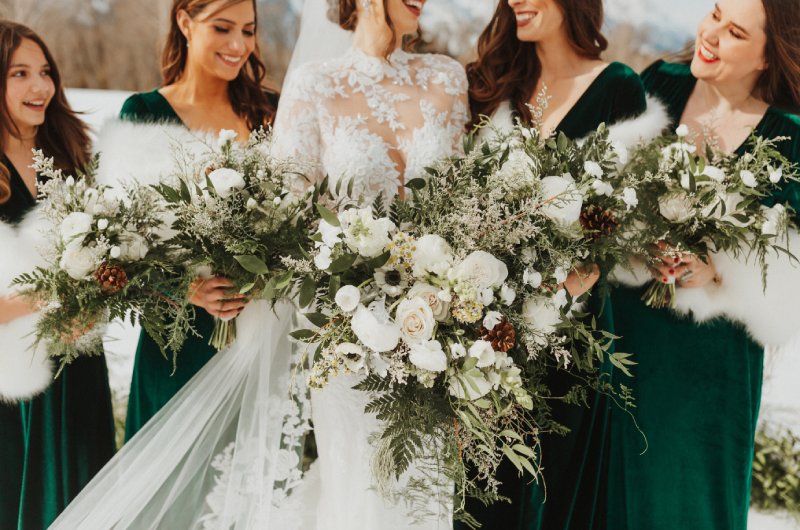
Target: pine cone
112, 278
503, 336
597, 222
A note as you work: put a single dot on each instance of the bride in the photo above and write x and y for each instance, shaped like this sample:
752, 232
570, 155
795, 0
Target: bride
225, 451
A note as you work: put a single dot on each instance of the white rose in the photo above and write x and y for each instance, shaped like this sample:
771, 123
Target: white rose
714, 173
472, 385
348, 298
773, 220
78, 261
415, 318
492, 319
593, 169
428, 355
374, 328
532, 278
676, 208
602, 187
133, 247
458, 350
507, 294
225, 180
365, 234
432, 254
352, 355
226, 136
629, 198
682, 130
776, 175
483, 269
323, 258
748, 178
330, 233
431, 295
483, 351
563, 201
102, 224
541, 314
75, 226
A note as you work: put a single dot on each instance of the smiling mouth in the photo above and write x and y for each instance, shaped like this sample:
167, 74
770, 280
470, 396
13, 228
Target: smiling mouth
524, 18
415, 6
230, 60
35, 104
706, 55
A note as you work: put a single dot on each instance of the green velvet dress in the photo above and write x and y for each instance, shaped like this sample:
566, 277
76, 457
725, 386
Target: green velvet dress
697, 388
571, 473
52, 445
153, 383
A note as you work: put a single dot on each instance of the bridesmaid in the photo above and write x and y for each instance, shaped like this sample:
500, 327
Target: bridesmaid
51, 445
698, 385
530, 46
213, 79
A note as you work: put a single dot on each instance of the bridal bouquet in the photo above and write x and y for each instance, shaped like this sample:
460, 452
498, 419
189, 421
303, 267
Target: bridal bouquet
713, 203
238, 213
105, 251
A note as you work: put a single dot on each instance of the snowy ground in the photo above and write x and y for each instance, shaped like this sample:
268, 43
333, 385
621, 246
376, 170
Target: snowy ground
780, 400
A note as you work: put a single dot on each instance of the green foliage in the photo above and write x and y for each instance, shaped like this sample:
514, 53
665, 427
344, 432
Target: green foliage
776, 473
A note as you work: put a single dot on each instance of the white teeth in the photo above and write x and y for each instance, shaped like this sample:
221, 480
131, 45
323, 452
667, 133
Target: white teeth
524, 17
707, 55
37, 103
414, 3
231, 58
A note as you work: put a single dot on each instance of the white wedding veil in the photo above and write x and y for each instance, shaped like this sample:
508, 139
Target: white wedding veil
319, 37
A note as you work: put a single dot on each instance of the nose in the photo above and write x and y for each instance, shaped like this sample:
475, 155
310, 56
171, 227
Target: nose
514, 3
237, 43
710, 32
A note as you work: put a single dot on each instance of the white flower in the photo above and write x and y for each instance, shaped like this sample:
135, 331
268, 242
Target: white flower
676, 208
115, 252
517, 171
483, 351
225, 136
78, 261
532, 278
562, 200
415, 318
374, 328
776, 175
428, 355
602, 187
483, 269
432, 254
225, 180
323, 258
486, 297
560, 274
133, 247
714, 173
773, 220
75, 227
348, 297
330, 233
492, 319
391, 281
251, 204
621, 150
541, 314
593, 169
70, 181
560, 298
457, 350
102, 224
439, 307
748, 178
732, 202
471, 385
685, 181
365, 234
682, 130
352, 355
629, 198
507, 294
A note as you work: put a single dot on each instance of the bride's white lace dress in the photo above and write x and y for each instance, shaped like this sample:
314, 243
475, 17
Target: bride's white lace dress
379, 123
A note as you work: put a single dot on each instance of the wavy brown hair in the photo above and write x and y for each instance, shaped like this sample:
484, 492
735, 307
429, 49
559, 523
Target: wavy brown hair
248, 93
509, 69
63, 135
779, 85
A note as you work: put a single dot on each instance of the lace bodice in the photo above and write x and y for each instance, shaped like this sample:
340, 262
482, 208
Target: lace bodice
377, 121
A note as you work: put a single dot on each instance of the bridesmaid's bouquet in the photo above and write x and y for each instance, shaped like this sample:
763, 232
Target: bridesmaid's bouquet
699, 204
105, 249
239, 213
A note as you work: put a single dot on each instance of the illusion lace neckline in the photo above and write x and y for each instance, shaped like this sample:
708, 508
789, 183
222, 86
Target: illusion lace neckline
395, 66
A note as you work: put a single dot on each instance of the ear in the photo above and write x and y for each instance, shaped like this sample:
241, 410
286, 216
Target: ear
184, 22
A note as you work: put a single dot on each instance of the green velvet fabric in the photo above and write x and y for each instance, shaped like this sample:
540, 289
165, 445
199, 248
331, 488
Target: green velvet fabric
571, 473
154, 383
697, 388
52, 445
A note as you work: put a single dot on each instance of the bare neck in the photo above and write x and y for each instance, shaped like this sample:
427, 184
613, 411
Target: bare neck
373, 42
197, 88
558, 58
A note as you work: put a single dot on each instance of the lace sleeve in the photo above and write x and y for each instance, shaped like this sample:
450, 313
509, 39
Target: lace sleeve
449, 81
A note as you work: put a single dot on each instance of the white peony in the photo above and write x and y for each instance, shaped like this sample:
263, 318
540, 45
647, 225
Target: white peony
78, 261
75, 226
483, 269
352, 355
492, 319
714, 173
226, 136
541, 314
440, 308
365, 234
225, 180
432, 254
348, 298
630, 198
593, 169
374, 328
471, 385
323, 258
483, 351
428, 355
133, 247
415, 318
773, 220
562, 200
676, 208
602, 187
748, 178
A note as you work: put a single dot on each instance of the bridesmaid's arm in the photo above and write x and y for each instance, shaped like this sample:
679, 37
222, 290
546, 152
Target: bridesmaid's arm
14, 307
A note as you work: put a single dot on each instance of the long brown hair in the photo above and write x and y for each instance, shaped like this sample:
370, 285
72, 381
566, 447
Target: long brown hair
247, 93
779, 85
63, 135
508, 69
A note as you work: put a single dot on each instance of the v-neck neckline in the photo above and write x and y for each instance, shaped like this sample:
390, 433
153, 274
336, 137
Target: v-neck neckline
580, 101
15, 175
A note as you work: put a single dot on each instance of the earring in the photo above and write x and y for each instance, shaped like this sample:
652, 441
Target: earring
366, 4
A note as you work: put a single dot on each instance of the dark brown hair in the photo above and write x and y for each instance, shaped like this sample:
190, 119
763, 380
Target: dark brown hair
63, 135
347, 18
508, 69
779, 85
247, 92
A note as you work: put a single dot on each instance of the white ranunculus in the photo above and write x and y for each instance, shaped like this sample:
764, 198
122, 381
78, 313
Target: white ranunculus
682, 130
676, 208
415, 318
133, 247
348, 298
352, 355
776, 175
374, 328
226, 136
748, 178
115, 252
365, 234
428, 355
773, 220
630, 198
562, 200
75, 226
432, 254
492, 319
593, 169
78, 261
458, 351
483, 351
507, 294
541, 314
714, 173
225, 180
532, 278
323, 258
471, 385
430, 294
602, 187
330, 233
483, 269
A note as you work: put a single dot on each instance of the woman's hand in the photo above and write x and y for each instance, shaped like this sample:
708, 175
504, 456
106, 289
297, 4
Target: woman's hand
582, 279
215, 296
14, 307
687, 270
